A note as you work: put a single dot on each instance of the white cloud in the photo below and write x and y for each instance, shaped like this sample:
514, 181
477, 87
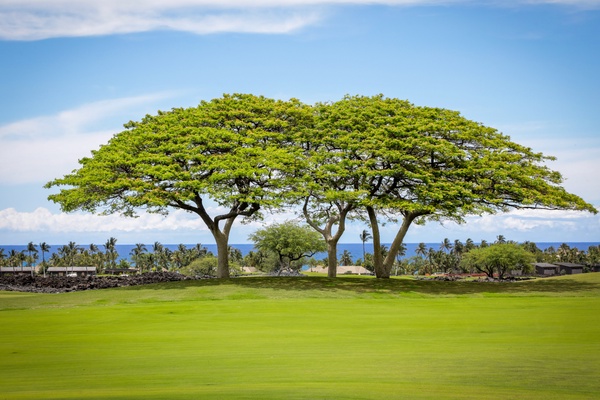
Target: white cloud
539, 223
178, 226
42, 19
39, 149
41, 219
576, 153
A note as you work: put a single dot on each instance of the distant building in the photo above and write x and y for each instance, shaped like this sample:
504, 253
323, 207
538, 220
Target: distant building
72, 271
570, 268
345, 270
546, 269
16, 270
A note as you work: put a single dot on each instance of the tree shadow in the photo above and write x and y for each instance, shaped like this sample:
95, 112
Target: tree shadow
366, 285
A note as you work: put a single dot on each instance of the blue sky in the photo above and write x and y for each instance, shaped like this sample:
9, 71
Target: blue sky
72, 72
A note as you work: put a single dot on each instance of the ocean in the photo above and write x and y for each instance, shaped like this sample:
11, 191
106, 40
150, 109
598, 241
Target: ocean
355, 249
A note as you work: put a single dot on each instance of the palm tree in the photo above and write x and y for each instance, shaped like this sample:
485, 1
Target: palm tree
346, 258
364, 236
44, 248
200, 250
401, 253
500, 239
31, 248
68, 253
96, 256
2, 256
446, 245
157, 250
469, 244
563, 251
14, 257
235, 254
136, 255
421, 250
111, 252
432, 257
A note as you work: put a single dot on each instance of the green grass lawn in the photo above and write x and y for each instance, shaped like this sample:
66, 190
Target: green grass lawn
306, 338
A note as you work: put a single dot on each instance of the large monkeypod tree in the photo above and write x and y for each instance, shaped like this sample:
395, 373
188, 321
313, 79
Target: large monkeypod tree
333, 180
236, 151
433, 164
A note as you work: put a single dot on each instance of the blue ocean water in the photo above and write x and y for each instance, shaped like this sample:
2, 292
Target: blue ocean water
355, 249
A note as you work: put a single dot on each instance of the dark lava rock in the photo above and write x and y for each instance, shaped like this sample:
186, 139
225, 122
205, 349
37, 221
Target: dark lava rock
59, 284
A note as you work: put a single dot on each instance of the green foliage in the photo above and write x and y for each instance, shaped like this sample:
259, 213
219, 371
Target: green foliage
290, 242
422, 163
231, 150
379, 158
499, 259
205, 266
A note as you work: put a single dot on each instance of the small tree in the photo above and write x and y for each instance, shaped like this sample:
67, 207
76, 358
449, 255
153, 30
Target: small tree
206, 265
346, 258
290, 242
500, 259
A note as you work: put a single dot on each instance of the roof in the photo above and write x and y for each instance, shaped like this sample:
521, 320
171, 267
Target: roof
345, 269
72, 269
545, 265
569, 265
16, 269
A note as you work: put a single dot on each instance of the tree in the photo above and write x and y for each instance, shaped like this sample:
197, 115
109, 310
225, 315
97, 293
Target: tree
499, 259
446, 245
235, 150
96, 256
16, 258
430, 164
332, 181
421, 249
32, 255
203, 266
364, 236
68, 253
346, 258
290, 242
137, 256
111, 253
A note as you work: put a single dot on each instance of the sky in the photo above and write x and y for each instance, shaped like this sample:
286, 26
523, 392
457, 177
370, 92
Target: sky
72, 73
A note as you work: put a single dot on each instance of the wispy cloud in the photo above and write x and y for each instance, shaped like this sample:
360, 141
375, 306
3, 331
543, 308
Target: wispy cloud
43, 220
42, 224
45, 147
36, 20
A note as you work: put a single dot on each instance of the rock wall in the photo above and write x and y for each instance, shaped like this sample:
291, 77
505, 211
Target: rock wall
60, 284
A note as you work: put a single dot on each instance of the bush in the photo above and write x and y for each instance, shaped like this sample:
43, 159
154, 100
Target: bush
204, 266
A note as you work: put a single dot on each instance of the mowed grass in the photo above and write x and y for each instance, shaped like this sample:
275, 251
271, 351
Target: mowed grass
306, 338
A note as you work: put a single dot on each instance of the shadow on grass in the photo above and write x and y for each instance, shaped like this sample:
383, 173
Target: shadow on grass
365, 285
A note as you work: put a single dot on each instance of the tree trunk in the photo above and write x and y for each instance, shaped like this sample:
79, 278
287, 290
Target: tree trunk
222, 255
331, 258
397, 243
377, 259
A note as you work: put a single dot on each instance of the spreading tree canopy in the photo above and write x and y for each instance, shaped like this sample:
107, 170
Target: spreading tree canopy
334, 181
428, 163
230, 150
376, 158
